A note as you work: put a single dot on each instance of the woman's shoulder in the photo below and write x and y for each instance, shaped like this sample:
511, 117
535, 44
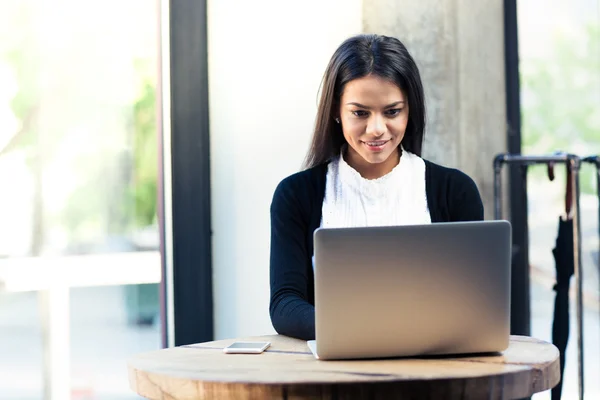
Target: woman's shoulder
302, 185
447, 176
458, 190
302, 179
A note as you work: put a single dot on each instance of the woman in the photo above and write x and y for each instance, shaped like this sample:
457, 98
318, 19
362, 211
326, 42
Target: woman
364, 168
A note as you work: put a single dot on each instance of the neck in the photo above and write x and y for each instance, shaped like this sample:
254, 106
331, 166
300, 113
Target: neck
368, 170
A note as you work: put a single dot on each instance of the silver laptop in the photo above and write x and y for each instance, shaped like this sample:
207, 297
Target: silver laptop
415, 290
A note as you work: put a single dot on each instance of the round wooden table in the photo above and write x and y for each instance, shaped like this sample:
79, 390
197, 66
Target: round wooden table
288, 370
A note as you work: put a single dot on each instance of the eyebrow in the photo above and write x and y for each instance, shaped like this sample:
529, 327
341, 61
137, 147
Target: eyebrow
368, 108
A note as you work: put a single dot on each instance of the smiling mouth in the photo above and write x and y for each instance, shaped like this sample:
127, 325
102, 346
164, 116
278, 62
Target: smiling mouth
376, 143
376, 146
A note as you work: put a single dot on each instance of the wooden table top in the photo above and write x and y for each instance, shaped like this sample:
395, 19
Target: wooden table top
289, 370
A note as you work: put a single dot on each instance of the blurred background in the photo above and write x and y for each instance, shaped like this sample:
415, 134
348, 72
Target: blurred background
79, 237
141, 141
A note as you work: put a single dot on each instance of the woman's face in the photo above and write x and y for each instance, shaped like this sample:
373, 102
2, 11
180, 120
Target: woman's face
373, 115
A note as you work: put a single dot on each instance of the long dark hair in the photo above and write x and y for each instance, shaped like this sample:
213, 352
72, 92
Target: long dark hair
359, 56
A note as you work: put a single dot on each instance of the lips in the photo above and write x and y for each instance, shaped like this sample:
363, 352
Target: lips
376, 145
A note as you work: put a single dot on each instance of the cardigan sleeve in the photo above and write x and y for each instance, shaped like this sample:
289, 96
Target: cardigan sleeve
465, 200
290, 310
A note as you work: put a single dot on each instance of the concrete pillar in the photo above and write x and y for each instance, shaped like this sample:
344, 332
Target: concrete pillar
459, 48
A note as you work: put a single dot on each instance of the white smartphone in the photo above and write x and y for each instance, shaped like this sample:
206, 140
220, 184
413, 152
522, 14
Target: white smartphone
246, 347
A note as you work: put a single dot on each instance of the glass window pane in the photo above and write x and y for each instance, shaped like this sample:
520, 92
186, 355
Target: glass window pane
79, 242
560, 91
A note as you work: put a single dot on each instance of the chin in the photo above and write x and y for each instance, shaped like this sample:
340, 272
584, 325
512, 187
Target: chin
376, 158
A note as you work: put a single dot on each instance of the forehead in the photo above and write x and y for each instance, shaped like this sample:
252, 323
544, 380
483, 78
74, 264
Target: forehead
372, 89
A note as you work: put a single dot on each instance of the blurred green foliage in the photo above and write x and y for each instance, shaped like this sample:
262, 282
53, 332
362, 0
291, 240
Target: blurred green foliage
116, 192
561, 100
143, 188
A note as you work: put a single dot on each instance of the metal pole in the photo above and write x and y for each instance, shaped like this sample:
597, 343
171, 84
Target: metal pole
596, 161
498, 161
543, 159
574, 164
520, 323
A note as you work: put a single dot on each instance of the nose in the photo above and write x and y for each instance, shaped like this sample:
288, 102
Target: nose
376, 126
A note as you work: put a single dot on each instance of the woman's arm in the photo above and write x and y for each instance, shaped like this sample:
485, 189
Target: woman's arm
291, 313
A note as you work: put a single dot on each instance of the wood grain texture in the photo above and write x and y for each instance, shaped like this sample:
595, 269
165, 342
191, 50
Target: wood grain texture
287, 370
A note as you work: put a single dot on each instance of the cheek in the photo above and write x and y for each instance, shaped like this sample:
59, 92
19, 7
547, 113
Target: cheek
353, 130
398, 125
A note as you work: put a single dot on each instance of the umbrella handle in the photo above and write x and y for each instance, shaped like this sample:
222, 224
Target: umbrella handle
569, 193
569, 188
551, 170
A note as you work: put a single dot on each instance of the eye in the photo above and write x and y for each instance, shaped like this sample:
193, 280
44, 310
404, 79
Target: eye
360, 113
394, 112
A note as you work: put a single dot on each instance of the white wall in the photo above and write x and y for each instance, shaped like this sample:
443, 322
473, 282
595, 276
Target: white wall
266, 61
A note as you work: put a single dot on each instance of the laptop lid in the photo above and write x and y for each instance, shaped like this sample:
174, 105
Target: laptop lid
441, 288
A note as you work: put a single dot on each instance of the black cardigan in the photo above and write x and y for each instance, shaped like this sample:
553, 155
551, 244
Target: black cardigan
296, 214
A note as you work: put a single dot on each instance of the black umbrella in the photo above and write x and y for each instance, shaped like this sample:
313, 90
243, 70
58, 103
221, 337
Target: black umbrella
565, 267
